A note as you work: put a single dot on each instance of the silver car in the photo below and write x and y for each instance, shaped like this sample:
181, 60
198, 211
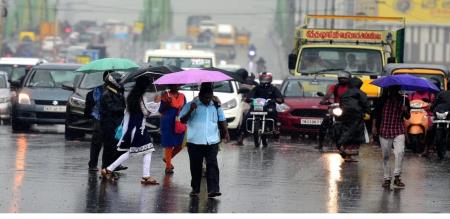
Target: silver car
5, 98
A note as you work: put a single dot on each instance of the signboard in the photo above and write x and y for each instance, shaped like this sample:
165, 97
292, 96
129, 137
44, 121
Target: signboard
138, 27
352, 35
417, 11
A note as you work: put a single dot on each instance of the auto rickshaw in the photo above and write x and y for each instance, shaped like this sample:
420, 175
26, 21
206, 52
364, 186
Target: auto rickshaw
426, 71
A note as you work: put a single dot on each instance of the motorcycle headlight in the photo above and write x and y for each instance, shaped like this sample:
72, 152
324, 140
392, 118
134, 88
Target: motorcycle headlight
75, 101
24, 99
337, 111
229, 105
252, 53
441, 115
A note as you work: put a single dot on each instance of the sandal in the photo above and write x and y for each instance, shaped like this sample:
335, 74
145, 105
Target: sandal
149, 181
171, 166
107, 174
169, 171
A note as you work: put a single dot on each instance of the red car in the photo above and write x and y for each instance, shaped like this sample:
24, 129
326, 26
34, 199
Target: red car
302, 112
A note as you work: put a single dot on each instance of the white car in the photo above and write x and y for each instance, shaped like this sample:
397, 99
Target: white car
231, 100
49, 43
5, 98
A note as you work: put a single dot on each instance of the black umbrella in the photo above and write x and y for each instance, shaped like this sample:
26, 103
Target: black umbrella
152, 72
236, 76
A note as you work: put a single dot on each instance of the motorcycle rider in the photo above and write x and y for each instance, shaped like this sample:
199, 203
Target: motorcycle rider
336, 91
265, 90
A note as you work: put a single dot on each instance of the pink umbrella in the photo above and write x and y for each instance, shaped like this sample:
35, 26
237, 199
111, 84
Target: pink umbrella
192, 76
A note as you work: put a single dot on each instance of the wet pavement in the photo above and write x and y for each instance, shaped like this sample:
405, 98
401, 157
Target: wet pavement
40, 172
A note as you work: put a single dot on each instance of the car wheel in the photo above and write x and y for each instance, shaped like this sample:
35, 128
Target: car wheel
18, 126
72, 134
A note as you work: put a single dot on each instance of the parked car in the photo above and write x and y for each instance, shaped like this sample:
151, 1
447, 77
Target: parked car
76, 125
302, 112
5, 98
40, 98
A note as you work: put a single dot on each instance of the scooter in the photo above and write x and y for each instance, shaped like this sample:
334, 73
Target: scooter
441, 125
261, 125
417, 125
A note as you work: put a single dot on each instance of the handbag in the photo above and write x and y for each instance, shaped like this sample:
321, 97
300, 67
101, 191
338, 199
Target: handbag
119, 131
180, 128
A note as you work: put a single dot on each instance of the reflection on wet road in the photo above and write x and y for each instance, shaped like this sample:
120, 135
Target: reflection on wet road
43, 173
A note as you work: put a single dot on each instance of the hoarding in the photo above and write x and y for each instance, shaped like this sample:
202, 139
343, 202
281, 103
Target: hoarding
417, 11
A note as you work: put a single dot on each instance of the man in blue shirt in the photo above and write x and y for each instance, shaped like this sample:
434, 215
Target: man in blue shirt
204, 118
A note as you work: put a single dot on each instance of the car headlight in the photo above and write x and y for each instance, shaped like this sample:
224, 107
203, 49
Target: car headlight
282, 108
4, 99
230, 104
77, 102
337, 111
24, 99
441, 115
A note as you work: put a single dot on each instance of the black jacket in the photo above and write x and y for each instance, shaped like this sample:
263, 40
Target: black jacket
442, 98
112, 106
354, 102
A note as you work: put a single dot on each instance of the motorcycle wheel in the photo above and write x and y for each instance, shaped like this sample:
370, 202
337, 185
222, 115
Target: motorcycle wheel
264, 141
416, 144
441, 143
257, 134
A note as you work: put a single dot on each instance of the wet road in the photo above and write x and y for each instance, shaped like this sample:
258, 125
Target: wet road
40, 172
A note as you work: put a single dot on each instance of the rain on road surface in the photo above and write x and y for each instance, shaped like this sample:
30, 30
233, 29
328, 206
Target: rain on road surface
43, 173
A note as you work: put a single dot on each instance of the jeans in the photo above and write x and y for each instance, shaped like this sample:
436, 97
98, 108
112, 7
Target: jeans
96, 144
399, 150
196, 155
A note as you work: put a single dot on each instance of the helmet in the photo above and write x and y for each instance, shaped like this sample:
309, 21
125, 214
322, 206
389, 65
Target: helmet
344, 74
265, 78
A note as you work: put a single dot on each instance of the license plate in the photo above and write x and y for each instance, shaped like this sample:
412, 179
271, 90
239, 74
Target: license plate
55, 108
311, 121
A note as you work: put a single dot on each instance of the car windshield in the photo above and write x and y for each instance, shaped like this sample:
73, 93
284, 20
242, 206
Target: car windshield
51, 78
92, 80
181, 62
429, 76
306, 87
356, 61
3, 83
14, 72
221, 87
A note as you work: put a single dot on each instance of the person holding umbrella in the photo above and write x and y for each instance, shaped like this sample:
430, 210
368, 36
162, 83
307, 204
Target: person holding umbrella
172, 102
391, 131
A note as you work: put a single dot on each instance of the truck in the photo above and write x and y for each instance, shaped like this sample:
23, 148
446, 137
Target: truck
225, 35
363, 51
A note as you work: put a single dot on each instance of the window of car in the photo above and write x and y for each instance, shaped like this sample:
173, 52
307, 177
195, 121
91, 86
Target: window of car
221, 87
306, 87
92, 80
3, 82
51, 78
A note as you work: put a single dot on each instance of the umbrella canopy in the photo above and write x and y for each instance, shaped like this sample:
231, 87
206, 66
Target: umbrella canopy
193, 76
153, 73
116, 64
407, 82
234, 75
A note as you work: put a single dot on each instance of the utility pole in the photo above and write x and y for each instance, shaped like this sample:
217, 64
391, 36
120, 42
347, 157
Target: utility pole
55, 30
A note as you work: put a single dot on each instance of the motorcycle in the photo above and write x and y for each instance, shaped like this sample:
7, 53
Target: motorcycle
441, 125
261, 125
417, 126
334, 112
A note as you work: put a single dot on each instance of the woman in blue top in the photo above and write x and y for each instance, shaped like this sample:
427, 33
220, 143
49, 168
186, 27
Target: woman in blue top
172, 102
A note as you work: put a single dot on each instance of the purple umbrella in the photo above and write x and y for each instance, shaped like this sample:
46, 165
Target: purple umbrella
407, 82
192, 76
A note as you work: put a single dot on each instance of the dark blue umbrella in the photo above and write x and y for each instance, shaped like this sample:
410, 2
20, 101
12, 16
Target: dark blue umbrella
407, 82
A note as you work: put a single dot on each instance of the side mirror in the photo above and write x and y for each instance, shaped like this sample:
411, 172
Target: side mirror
68, 86
320, 94
391, 60
292, 60
243, 90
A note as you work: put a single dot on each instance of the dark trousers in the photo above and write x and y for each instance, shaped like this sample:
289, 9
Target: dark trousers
110, 153
96, 144
196, 155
